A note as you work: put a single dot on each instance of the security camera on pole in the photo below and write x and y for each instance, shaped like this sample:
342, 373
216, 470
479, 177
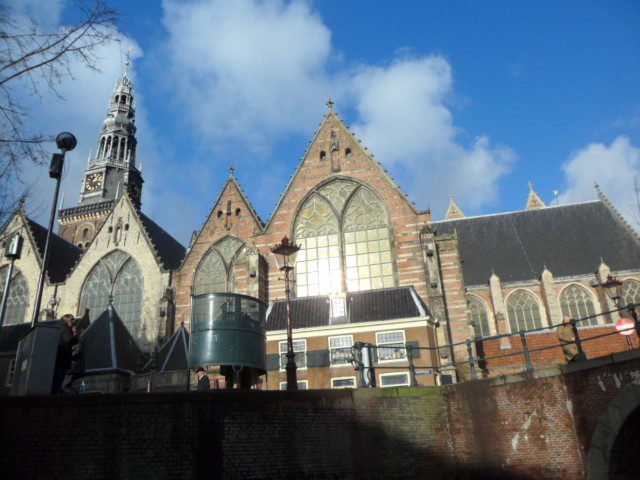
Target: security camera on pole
12, 251
65, 142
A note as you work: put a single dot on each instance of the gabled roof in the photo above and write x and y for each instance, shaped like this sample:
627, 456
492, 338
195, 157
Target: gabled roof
63, 255
169, 251
332, 115
570, 240
174, 354
453, 211
366, 306
109, 347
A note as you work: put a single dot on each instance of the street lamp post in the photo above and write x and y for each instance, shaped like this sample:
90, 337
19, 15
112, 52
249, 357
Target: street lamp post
65, 142
285, 255
12, 251
613, 287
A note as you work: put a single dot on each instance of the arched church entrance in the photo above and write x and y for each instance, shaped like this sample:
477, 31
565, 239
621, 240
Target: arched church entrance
613, 453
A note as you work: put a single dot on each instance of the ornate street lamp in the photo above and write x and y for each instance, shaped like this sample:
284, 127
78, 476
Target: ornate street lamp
613, 288
65, 142
285, 255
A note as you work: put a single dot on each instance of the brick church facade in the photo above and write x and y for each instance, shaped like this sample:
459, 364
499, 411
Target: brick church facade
372, 267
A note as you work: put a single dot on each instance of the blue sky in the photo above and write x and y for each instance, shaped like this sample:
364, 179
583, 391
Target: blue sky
469, 98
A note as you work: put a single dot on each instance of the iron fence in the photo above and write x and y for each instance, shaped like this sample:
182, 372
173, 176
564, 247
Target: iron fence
365, 356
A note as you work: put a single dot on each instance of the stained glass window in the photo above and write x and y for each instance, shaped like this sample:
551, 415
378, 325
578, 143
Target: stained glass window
523, 311
342, 227
216, 271
577, 302
478, 315
116, 274
18, 300
630, 291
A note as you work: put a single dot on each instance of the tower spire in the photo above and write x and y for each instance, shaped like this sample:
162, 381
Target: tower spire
453, 211
534, 202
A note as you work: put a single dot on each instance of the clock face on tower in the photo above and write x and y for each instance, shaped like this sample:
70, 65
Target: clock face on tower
93, 182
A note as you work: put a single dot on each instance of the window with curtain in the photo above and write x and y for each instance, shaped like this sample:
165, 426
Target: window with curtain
216, 271
577, 302
630, 291
343, 231
18, 300
119, 276
523, 311
479, 316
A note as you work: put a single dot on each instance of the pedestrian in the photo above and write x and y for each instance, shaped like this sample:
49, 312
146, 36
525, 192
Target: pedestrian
71, 353
567, 339
203, 380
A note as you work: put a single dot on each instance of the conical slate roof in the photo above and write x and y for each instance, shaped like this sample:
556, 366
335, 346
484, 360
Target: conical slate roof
174, 354
109, 347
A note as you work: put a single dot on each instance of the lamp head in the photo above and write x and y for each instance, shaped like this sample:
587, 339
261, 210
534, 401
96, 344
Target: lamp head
66, 141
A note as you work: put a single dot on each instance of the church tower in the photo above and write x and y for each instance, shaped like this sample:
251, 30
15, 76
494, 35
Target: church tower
109, 172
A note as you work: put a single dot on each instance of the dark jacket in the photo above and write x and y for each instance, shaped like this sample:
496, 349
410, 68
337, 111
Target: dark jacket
203, 384
65, 342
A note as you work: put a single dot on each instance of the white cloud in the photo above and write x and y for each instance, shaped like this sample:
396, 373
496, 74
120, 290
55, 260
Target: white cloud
404, 119
614, 167
255, 71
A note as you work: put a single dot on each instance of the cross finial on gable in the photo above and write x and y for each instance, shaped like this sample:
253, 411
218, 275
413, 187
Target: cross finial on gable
530, 185
231, 169
330, 103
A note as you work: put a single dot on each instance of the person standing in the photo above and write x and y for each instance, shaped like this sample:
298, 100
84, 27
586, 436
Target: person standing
70, 353
203, 380
567, 339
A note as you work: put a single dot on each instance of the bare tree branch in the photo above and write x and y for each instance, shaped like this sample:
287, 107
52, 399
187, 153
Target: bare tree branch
39, 59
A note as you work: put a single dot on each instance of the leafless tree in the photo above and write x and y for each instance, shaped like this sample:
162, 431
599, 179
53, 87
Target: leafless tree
37, 59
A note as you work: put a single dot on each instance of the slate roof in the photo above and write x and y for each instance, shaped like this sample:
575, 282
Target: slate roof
570, 240
109, 347
10, 335
63, 254
169, 250
367, 306
174, 354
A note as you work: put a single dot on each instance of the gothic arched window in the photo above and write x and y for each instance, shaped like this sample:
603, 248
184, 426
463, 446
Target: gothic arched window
119, 276
18, 300
479, 316
523, 311
343, 231
577, 302
216, 270
630, 291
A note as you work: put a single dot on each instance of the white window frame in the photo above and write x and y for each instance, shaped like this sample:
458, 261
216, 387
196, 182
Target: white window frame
284, 342
11, 370
338, 303
344, 378
378, 344
337, 365
382, 375
283, 385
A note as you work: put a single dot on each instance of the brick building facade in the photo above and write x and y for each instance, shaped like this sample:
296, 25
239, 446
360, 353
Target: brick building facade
372, 267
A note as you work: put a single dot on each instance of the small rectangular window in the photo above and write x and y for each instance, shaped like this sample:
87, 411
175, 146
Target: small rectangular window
302, 385
392, 346
299, 348
338, 307
10, 372
394, 379
340, 349
343, 382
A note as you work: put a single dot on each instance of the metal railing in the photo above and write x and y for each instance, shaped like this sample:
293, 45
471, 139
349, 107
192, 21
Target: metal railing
366, 362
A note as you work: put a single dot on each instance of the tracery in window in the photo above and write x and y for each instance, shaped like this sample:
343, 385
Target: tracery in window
18, 300
478, 316
523, 311
576, 302
118, 275
216, 271
630, 291
342, 227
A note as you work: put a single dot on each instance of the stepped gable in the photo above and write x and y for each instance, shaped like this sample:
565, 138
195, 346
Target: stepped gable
367, 306
168, 250
569, 239
109, 347
174, 354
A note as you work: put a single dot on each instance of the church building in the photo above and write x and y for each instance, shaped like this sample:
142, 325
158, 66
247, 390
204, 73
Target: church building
372, 267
